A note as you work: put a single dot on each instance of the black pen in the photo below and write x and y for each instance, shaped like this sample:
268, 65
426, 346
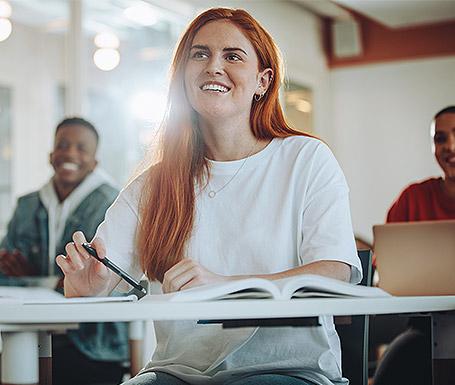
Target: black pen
117, 270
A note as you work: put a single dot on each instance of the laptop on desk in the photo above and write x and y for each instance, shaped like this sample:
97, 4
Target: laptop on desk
416, 258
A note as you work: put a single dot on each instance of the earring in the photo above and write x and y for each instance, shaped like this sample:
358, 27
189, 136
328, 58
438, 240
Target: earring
258, 97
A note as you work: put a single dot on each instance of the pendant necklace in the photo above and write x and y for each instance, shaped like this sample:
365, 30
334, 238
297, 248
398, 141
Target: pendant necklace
212, 193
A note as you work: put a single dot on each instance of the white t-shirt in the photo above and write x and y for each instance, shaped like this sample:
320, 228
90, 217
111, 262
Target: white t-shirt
287, 206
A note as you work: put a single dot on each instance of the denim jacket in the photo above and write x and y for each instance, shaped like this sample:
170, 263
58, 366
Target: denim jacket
28, 232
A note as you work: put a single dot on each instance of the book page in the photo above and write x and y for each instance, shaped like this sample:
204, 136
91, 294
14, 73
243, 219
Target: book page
306, 285
243, 288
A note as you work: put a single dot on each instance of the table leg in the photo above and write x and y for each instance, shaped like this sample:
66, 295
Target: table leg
136, 342
443, 349
20, 358
45, 358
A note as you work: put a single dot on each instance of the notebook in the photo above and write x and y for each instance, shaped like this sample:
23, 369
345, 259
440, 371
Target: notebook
416, 258
44, 296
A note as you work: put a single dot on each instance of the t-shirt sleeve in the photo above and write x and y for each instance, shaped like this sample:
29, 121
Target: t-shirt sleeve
399, 212
326, 223
118, 232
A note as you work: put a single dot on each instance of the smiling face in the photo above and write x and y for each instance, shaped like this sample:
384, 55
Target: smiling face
73, 157
222, 74
444, 143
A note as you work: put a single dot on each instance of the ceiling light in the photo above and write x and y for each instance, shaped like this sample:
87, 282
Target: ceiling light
293, 97
106, 59
303, 106
142, 14
107, 40
5, 9
5, 29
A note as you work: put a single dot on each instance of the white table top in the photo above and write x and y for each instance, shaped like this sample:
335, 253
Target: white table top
228, 309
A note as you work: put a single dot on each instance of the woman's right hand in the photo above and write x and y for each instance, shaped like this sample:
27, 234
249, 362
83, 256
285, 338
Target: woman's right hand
84, 275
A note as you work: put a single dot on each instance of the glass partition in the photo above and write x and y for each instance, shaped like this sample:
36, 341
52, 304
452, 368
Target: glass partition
127, 103
5, 157
105, 60
32, 67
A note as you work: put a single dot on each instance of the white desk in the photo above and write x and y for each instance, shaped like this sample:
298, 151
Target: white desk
28, 320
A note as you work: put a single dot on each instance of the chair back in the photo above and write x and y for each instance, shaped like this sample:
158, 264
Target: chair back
354, 335
367, 267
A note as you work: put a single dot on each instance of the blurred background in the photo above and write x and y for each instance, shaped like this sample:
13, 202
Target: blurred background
366, 76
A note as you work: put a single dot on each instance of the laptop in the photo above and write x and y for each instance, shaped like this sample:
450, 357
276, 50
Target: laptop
416, 258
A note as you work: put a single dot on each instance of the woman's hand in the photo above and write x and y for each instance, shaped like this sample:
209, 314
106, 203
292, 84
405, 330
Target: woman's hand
84, 275
188, 273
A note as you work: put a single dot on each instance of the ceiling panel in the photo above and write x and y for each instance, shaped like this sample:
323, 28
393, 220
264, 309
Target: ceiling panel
403, 13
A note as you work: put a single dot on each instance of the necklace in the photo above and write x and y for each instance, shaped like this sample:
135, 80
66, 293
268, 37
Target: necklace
212, 193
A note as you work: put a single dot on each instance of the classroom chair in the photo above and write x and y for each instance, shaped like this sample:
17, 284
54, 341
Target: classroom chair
353, 332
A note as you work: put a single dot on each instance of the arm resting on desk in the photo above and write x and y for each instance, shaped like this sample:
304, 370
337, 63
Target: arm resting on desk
189, 273
331, 269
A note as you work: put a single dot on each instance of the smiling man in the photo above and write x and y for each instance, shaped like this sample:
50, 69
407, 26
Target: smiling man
408, 359
73, 157
433, 198
75, 198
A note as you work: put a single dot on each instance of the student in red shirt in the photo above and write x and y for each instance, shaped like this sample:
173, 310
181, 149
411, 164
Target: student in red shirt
408, 358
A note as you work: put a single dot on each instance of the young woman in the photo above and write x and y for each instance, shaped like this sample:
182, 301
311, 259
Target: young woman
236, 193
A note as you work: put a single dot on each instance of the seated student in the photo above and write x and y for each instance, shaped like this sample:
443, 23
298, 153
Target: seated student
76, 198
434, 198
236, 193
408, 358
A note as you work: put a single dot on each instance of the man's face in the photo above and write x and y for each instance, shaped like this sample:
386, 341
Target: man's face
73, 157
444, 143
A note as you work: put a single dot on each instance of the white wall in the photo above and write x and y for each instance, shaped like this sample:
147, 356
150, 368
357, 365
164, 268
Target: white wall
381, 115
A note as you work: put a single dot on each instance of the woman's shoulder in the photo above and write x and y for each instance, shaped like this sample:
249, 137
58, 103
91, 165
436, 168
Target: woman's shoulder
306, 147
133, 189
302, 142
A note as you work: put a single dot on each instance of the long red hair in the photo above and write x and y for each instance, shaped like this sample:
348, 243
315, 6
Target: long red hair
168, 197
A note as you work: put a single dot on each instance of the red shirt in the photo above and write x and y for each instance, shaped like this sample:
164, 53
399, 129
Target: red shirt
423, 201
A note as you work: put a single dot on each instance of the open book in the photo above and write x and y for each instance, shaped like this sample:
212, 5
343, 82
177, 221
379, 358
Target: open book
40, 295
300, 286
